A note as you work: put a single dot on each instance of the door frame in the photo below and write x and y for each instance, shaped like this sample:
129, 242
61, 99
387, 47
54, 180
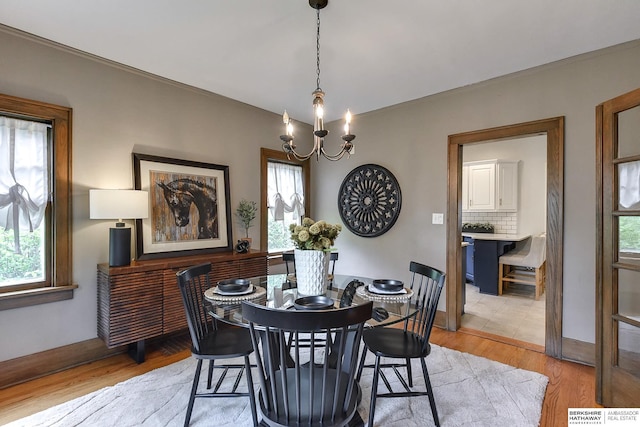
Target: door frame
554, 129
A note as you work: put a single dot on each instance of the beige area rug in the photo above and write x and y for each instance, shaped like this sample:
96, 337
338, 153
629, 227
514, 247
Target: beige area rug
469, 391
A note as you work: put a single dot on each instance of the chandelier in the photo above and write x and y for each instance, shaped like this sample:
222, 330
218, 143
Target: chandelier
319, 132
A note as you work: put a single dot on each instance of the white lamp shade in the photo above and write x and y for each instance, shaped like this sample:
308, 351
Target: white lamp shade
118, 204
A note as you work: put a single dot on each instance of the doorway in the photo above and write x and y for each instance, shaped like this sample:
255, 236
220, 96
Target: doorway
516, 316
554, 130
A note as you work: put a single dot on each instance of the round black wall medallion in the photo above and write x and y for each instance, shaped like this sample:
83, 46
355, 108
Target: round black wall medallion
369, 200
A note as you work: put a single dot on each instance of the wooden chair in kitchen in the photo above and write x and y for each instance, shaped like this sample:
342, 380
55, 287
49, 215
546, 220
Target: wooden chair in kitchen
526, 265
314, 386
213, 343
411, 342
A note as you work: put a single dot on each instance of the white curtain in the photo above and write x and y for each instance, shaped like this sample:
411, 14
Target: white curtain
24, 179
285, 190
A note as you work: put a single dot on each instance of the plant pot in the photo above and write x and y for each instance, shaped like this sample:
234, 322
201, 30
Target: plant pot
311, 271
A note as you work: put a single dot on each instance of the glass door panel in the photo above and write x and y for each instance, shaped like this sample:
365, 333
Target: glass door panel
629, 294
628, 132
629, 240
629, 348
629, 185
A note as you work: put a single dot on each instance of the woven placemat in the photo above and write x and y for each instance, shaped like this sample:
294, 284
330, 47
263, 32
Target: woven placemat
257, 293
364, 293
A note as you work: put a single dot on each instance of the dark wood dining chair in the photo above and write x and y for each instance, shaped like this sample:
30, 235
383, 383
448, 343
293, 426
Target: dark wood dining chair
289, 262
411, 342
332, 268
213, 342
307, 386
290, 265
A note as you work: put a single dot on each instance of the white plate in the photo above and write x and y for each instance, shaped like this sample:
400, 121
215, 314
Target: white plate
250, 289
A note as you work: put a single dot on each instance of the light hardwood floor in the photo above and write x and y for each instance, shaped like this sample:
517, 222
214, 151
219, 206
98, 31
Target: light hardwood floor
571, 385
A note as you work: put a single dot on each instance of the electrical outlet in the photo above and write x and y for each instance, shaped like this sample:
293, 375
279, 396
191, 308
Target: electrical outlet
437, 218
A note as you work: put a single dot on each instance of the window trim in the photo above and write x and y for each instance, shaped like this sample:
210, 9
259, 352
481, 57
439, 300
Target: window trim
61, 286
266, 155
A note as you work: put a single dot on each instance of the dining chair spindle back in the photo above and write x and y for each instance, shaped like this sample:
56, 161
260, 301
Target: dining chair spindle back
410, 342
289, 263
307, 386
212, 342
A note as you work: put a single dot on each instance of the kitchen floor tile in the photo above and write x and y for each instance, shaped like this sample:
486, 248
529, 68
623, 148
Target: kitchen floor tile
515, 314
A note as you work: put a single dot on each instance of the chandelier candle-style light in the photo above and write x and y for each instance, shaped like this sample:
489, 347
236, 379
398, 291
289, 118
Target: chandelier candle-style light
319, 131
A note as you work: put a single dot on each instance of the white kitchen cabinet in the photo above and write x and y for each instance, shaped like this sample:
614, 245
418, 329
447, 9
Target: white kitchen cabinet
482, 187
490, 186
507, 186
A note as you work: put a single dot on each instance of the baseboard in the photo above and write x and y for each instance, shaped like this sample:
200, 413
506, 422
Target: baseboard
21, 369
579, 351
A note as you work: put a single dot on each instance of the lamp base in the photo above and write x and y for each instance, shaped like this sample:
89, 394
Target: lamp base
119, 246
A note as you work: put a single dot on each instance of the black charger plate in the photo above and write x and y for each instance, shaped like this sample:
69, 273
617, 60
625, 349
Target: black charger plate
315, 302
233, 285
388, 285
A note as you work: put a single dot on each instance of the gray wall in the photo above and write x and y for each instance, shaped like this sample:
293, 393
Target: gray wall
410, 140
116, 112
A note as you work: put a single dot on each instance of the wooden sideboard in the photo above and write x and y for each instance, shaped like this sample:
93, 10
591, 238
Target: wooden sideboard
142, 300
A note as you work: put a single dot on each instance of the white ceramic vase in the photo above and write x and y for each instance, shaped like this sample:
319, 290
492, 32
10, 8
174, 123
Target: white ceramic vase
311, 271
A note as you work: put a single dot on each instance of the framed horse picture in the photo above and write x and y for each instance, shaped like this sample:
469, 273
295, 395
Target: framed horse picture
189, 209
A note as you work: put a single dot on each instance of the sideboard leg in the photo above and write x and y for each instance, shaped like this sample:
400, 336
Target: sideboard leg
136, 351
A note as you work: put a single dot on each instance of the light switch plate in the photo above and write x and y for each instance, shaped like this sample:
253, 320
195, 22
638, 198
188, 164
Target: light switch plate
437, 218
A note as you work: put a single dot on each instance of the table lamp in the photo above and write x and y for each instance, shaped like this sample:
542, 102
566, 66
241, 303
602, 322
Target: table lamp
119, 204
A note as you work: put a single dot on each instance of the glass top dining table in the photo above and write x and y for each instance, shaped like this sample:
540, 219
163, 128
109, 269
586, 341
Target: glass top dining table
277, 291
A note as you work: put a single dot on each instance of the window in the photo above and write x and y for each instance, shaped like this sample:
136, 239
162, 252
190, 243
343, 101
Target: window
24, 193
285, 189
35, 203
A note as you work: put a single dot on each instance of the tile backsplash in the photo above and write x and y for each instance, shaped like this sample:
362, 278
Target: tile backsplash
503, 222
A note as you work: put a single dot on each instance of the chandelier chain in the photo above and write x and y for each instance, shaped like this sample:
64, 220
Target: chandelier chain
318, 49
319, 132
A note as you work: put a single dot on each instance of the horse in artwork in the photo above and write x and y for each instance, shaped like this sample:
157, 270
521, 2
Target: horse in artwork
181, 193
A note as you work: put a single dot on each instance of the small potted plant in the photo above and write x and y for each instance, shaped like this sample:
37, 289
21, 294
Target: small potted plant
246, 212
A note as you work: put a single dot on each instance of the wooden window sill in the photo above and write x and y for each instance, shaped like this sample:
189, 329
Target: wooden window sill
17, 299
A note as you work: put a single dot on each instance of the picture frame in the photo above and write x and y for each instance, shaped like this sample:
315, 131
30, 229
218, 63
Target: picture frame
189, 207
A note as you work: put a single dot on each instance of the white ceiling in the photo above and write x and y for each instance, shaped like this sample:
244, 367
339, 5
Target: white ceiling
373, 53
